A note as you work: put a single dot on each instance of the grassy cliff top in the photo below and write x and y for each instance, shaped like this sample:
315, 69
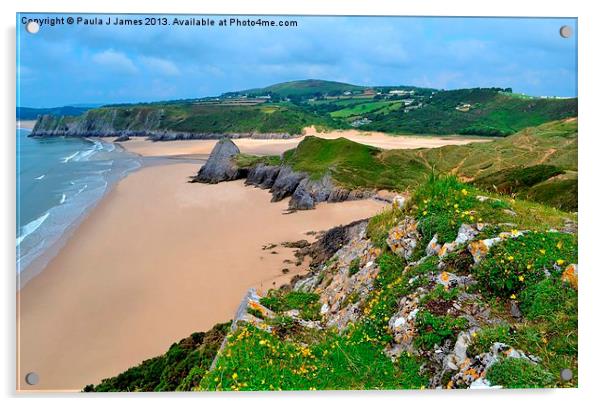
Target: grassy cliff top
355, 165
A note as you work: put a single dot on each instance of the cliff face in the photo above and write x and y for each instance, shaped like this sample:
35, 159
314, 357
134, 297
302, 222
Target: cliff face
153, 123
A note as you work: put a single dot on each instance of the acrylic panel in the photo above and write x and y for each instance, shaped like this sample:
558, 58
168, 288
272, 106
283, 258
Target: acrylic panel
263, 203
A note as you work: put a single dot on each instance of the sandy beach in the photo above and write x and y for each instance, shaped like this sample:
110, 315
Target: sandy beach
160, 258
26, 124
144, 147
156, 260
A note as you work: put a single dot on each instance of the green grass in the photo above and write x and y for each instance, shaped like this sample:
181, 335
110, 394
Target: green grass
434, 330
307, 303
249, 161
364, 108
519, 263
540, 152
354, 267
517, 179
517, 373
256, 360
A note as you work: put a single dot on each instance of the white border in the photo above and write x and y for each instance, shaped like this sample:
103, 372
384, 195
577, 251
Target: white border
590, 96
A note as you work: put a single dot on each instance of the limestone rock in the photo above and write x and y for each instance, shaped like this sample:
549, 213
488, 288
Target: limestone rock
466, 233
220, 166
404, 237
433, 247
399, 202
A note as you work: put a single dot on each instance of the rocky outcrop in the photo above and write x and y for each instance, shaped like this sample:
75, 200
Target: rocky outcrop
285, 183
404, 237
304, 191
220, 166
262, 176
282, 181
331, 241
122, 138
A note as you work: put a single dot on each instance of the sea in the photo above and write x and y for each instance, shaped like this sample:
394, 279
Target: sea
59, 180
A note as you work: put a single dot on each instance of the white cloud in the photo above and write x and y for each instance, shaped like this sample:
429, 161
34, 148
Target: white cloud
159, 65
116, 61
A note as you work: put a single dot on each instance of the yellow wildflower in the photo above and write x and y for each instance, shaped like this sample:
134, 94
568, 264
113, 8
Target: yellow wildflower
234, 375
510, 258
560, 261
528, 266
521, 278
464, 192
513, 296
542, 251
456, 206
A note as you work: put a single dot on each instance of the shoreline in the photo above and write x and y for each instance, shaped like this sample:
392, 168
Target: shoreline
123, 288
41, 259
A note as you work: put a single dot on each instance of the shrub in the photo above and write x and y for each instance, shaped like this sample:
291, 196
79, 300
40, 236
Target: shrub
442, 205
434, 330
518, 263
354, 266
548, 299
519, 373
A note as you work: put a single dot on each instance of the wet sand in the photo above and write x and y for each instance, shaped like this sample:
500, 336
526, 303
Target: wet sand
144, 147
156, 260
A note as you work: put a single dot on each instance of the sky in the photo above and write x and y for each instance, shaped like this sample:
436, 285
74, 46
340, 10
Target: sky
85, 64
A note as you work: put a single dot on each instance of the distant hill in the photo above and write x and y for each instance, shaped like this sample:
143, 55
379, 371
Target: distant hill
32, 113
289, 107
301, 89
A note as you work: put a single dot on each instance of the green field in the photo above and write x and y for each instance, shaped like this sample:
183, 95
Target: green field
364, 108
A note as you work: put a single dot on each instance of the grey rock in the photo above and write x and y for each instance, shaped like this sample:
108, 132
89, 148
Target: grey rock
403, 238
515, 310
466, 233
262, 176
285, 183
220, 166
301, 200
433, 247
122, 138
